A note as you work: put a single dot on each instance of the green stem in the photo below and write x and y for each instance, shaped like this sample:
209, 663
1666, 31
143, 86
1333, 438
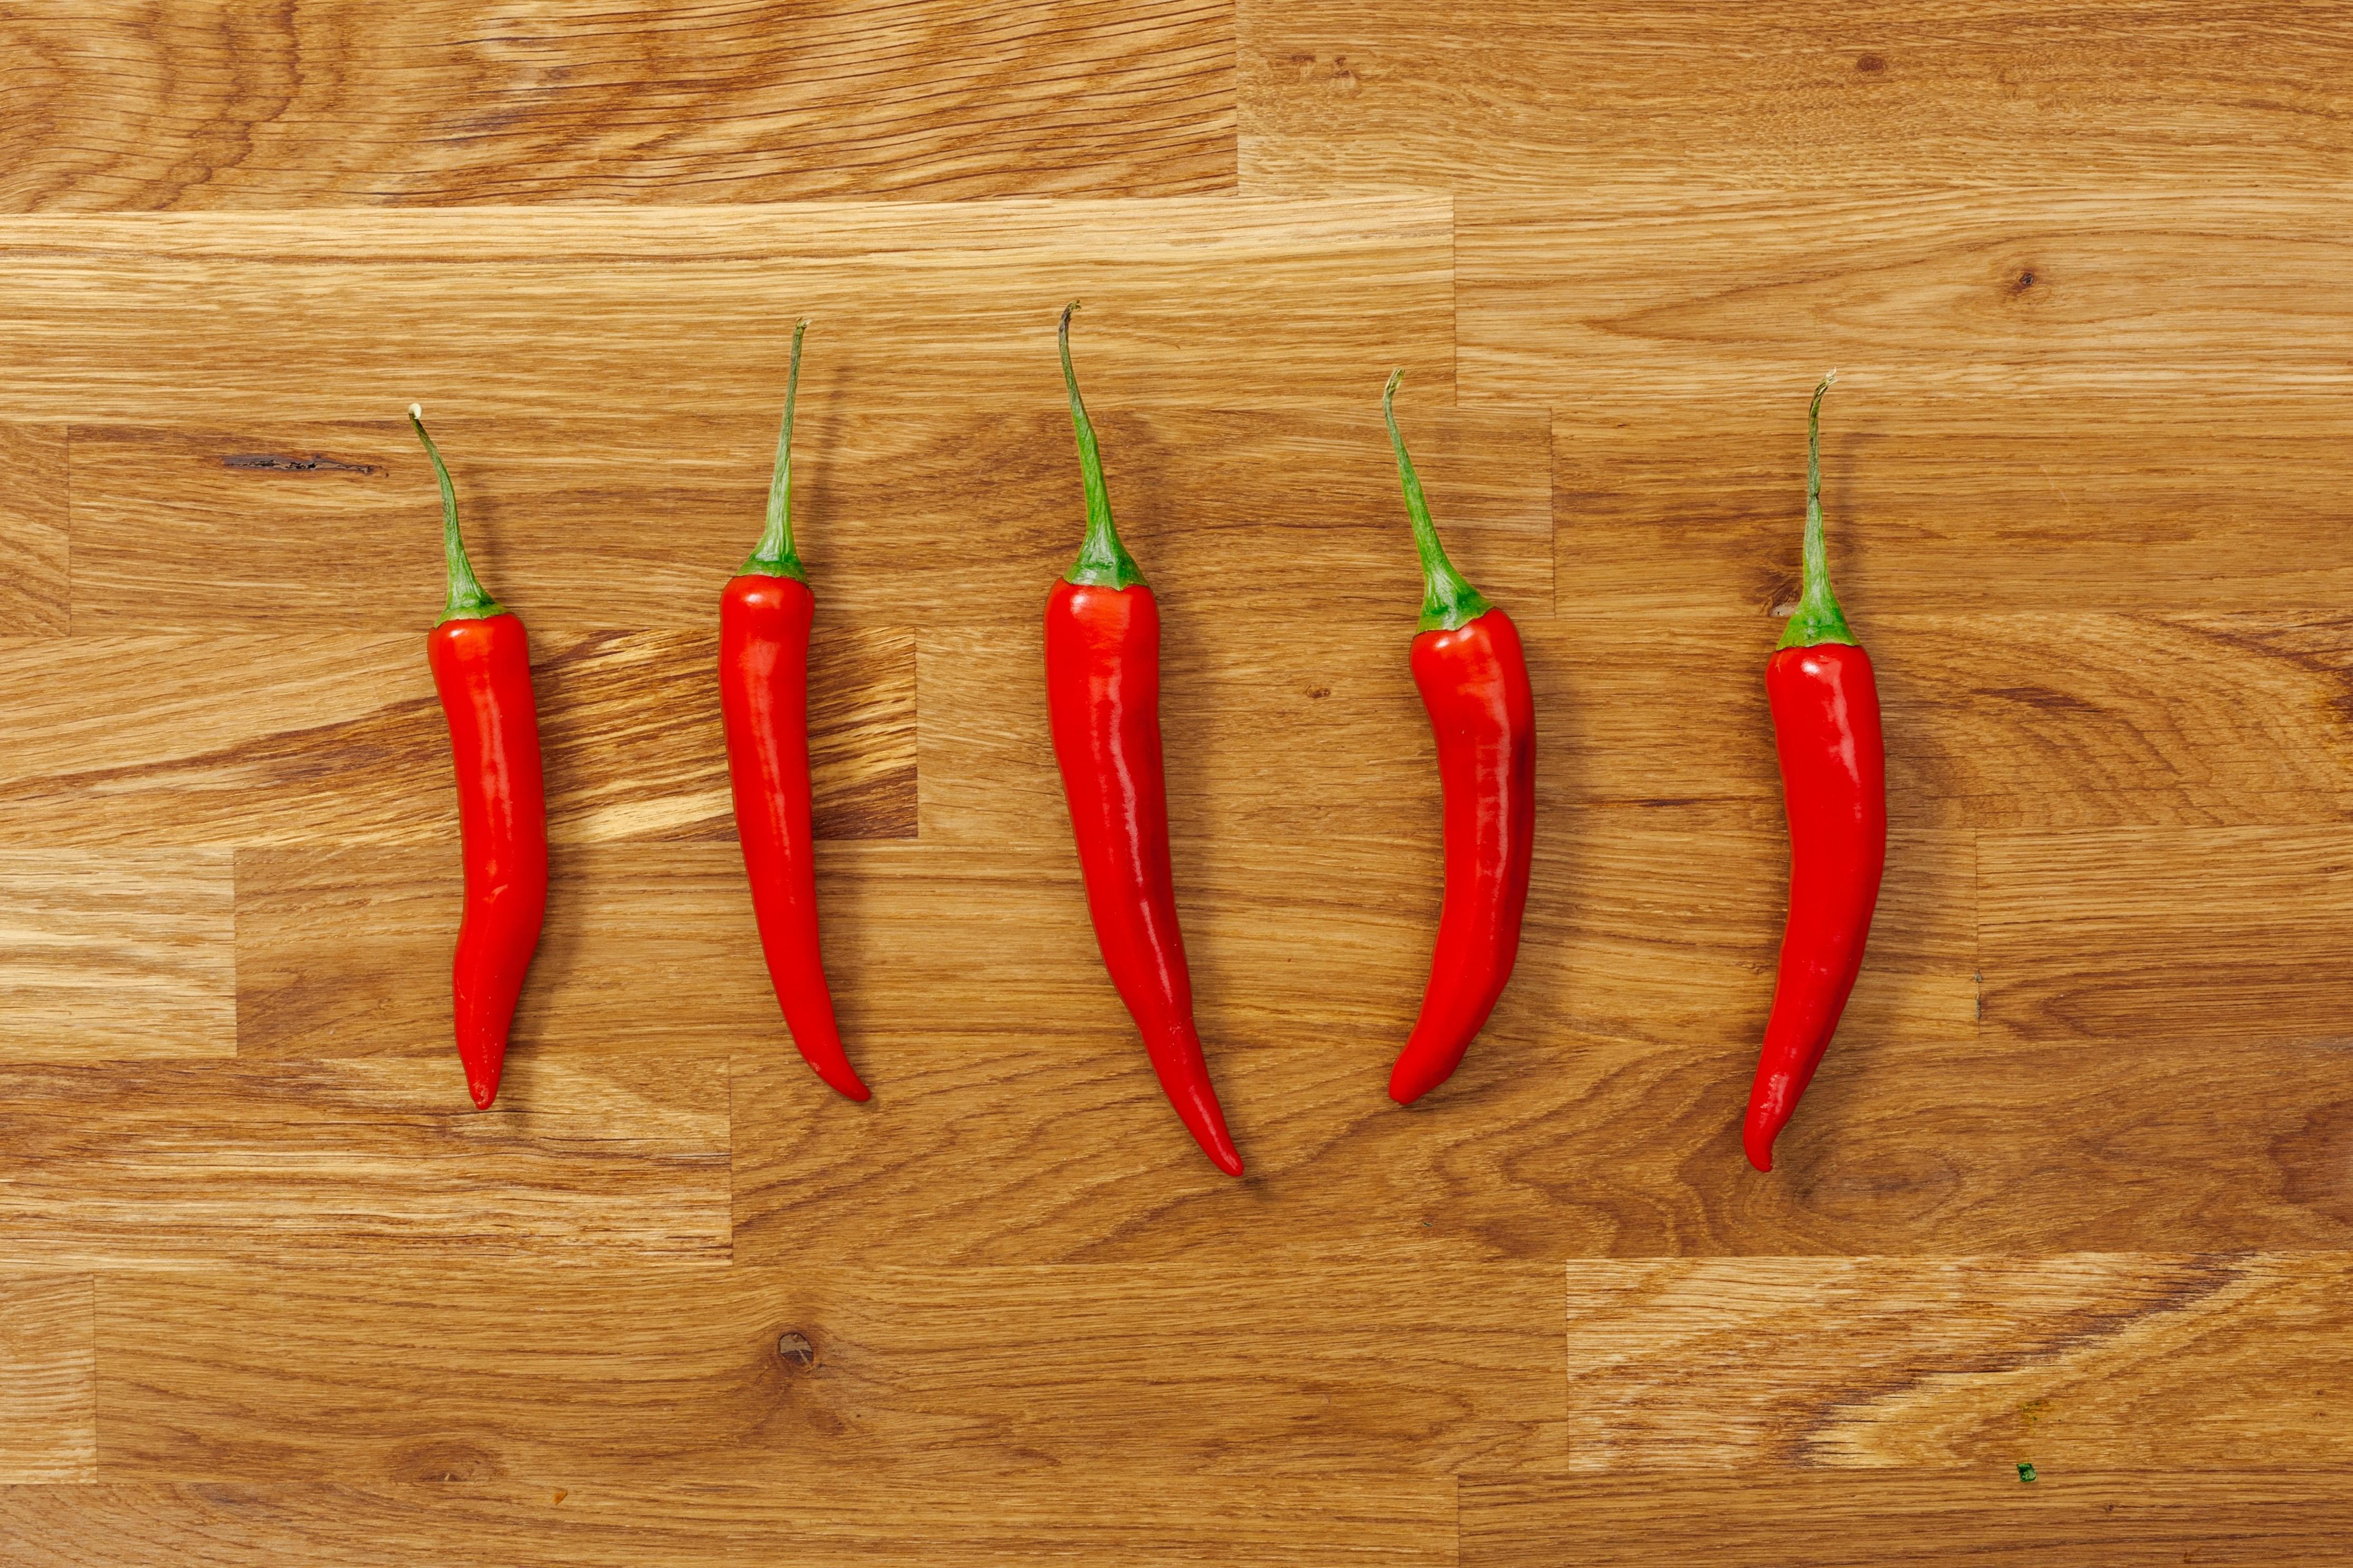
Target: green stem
775, 556
468, 600
1448, 599
1818, 618
1103, 562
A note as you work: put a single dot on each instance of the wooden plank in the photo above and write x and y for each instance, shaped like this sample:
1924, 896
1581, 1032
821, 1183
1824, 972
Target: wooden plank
148, 319
151, 1162
462, 1372
2014, 721
2213, 954
33, 533
1550, 1141
1518, 96
1647, 928
1641, 300
1304, 732
2033, 721
2216, 937
345, 952
1011, 1151
219, 107
1941, 503
1103, 1514
1684, 722
48, 1389
2177, 1512
329, 737
1024, 1124
2092, 1361
1995, 1146
939, 517
118, 954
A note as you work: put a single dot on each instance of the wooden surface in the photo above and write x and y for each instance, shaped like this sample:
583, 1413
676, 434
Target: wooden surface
2074, 1188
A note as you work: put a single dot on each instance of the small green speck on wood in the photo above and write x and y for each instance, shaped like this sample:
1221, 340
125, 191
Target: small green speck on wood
2025, 1471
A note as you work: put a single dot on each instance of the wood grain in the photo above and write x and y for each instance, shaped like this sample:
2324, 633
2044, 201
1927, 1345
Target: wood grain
1940, 504
1276, 731
2034, 722
218, 106
178, 1163
345, 952
1639, 301
938, 517
48, 1393
120, 954
261, 739
2012, 721
1514, 95
1025, 1153
601, 1373
339, 314
1096, 1515
1865, 1518
33, 550
1574, 1144
2213, 937
1297, 945
2096, 1362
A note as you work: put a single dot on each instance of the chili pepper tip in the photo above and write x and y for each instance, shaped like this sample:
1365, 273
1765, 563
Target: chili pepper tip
1413, 1077
844, 1080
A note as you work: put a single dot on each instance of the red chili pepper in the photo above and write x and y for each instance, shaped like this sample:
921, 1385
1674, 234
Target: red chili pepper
481, 668
1102, 698
1834, 782
764, 642
1474, 678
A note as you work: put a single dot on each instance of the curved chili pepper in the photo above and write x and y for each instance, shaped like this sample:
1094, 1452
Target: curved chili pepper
1834, 782
764, 642
1102, 698
481, 668
1474, 678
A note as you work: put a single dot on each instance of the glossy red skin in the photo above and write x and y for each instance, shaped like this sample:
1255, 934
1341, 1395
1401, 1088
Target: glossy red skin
1834, 781
763, 643
482, 670
1474, 683
1102, 698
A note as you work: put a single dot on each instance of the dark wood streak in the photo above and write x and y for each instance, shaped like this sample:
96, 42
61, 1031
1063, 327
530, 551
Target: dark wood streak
316, 463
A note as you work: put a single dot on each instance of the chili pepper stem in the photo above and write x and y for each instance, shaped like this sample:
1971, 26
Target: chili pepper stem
1103, 562
775, 556
468, 600
1448, 600
1818, 618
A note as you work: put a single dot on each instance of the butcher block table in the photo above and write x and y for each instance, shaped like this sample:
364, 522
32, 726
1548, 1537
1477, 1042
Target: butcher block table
2057, 1263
